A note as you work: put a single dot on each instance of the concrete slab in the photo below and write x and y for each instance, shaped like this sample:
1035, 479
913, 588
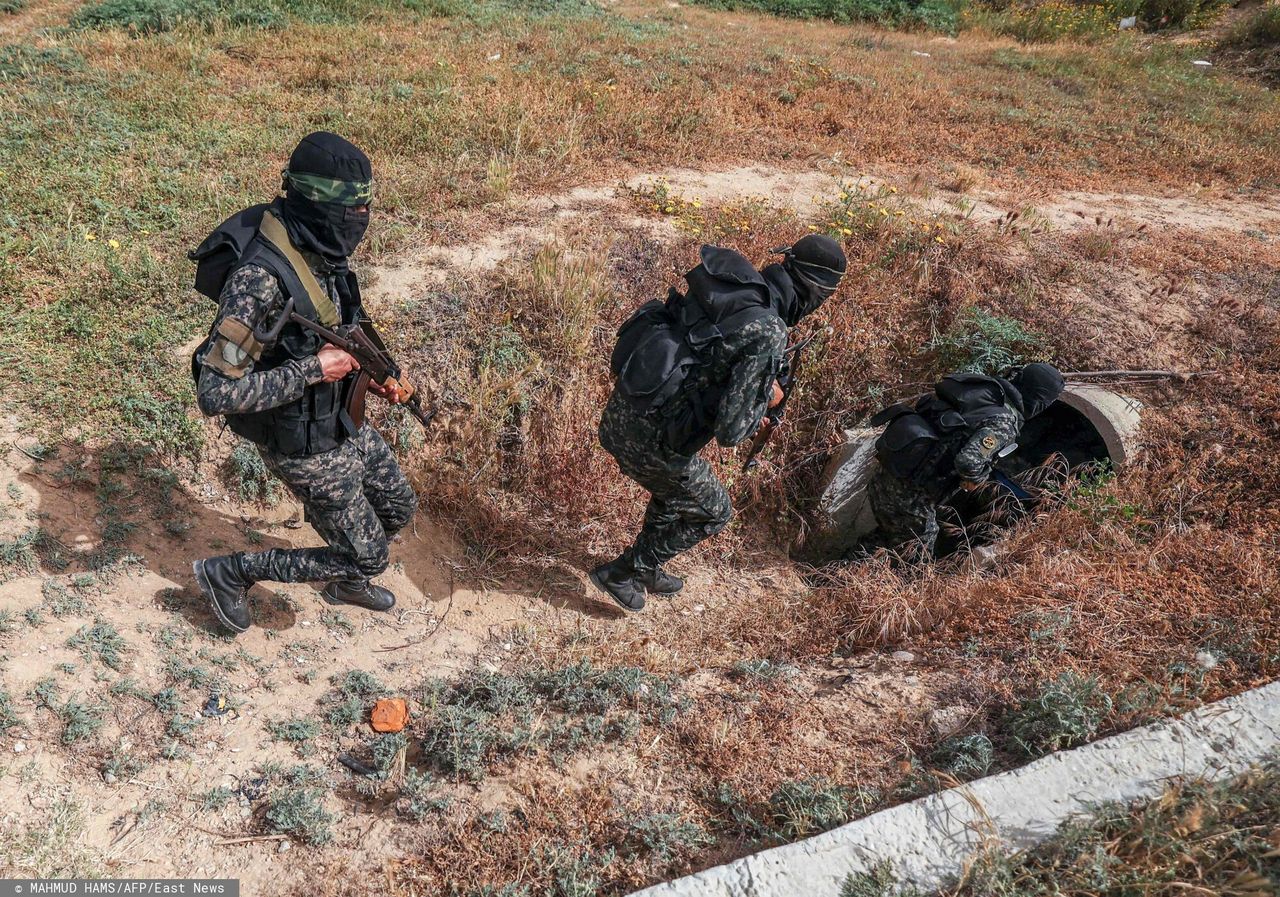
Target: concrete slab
928, 841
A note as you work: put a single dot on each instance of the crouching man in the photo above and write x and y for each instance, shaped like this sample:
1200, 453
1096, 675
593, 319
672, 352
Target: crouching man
701, 365
949, 440
292, 394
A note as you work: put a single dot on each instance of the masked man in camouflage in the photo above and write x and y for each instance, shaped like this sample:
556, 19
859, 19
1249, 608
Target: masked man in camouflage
289, 393
949, 440
701, 366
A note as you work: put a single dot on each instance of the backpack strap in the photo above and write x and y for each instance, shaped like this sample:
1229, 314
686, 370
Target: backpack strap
322, 307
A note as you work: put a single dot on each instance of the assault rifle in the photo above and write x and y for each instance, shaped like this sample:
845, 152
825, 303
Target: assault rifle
787, 380
362, 342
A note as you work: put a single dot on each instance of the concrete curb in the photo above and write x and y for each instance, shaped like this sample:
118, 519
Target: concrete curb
929, 840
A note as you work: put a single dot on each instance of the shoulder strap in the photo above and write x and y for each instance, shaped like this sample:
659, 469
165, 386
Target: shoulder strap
273, 231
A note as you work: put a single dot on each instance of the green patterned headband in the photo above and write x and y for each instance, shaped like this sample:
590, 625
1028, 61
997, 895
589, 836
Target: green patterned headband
322, 189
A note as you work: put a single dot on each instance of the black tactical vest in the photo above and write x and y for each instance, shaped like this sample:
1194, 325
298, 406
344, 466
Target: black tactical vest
665, 347
921, 442
318, 421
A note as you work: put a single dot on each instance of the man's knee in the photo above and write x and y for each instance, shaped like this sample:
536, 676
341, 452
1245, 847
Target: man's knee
713, 513
372, 557
399, 510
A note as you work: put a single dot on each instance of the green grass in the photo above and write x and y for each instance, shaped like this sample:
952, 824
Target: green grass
939, 15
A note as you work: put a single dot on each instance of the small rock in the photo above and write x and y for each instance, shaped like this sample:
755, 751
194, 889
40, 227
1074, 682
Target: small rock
245, 812
19, 747
1207, 659
109, 777
284, 847
947, 721
903, 656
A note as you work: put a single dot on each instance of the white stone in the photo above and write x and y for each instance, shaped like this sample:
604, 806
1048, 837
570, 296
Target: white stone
19, 747
903, 656
947, 721
932, 840
284, 847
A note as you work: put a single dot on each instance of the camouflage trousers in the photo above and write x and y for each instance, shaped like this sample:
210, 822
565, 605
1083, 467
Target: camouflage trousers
355, 496
906, 515
687, 503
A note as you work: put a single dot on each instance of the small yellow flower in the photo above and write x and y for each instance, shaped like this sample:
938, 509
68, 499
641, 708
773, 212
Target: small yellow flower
939, 240
893, 189
697, 204
846, 231
90, 236
114, 244
844, 196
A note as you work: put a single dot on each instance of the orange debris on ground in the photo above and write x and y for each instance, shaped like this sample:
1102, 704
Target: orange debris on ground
389, 715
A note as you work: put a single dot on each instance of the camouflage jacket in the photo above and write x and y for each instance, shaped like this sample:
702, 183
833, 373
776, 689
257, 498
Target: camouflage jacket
744, 366
228, 382
979, 452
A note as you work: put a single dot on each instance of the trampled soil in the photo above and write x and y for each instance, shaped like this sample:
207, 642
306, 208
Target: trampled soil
448, 618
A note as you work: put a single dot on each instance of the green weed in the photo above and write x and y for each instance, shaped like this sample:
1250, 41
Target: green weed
986, 343
216, 798
1197, 838
299, 810
352, 697
249, 477
100, 642
298, 732
666, 837
8, 712
761, 670
1064, 713
803, 808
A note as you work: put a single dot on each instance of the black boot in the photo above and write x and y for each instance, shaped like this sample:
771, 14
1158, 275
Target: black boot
619, 580
660, 582
361, 593
222, 580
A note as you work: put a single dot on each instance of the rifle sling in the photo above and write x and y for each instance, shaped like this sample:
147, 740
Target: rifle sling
273, 231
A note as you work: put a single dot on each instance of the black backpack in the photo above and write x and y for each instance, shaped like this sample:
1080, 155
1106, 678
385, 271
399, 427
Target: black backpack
663, 343
920, 441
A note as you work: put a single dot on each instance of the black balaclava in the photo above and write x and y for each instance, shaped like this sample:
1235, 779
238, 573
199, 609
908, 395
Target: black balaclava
327, 179
816, 264
1040, 385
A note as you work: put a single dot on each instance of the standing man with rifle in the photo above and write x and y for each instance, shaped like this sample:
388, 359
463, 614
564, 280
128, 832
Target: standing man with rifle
283, 366
702, 365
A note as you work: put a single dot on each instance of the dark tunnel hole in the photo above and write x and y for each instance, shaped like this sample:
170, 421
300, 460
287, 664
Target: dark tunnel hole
1060, 430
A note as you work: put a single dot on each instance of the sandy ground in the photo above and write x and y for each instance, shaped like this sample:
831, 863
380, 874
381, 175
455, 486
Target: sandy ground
152, 823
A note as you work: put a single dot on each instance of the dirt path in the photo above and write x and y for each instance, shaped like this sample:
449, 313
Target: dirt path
541, 219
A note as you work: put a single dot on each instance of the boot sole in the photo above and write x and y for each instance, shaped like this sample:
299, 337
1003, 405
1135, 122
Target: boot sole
202, 583
595, 581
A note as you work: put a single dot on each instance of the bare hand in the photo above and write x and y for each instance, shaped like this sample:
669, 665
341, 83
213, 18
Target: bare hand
390, 393
335, 363
970, 485
776, 399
